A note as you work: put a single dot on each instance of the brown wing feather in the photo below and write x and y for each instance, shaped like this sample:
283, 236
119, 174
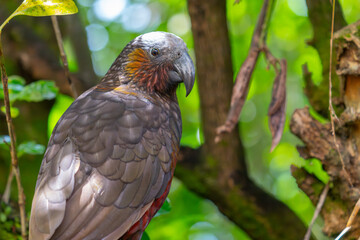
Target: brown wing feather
106, 162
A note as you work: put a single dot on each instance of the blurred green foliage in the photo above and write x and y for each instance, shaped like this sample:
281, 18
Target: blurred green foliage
10, 228
110, 25
34, 92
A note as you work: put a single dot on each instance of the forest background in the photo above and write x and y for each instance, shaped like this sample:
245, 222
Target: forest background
93, 39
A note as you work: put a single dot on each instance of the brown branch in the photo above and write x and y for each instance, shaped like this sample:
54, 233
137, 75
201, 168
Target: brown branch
241, 87
257, 213
333, 116
320, 16
14, 160
353, 214
63, 54
217, 171
242, 82
319, 144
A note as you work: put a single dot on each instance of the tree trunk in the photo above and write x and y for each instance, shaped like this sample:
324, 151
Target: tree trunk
218, 171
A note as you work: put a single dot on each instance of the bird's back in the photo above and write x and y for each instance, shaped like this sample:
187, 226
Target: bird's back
108, 163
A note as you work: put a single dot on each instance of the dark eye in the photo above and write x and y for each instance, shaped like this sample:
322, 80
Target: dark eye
154, 52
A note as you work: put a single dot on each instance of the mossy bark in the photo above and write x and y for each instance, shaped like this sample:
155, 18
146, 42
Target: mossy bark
342, 162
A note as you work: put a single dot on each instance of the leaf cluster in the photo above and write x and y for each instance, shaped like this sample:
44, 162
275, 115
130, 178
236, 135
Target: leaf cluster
33, 92
10, 227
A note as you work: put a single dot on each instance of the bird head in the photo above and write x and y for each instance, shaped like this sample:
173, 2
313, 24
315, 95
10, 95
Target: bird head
157, 62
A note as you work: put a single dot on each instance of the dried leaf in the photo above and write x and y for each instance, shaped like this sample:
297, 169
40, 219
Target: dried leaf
240, 92
276, 111
40, 8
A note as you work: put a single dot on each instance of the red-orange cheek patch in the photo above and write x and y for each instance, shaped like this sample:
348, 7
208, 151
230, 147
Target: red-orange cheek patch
137, 61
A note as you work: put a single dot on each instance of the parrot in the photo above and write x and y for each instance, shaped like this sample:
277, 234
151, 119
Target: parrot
110, 160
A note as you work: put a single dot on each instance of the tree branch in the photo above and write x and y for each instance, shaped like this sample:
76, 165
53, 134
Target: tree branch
317, 211
36, 55
319, 144
217, 171
260, 215
241, 87
338, 153
63, 54
242, 81
14, 159
320, 13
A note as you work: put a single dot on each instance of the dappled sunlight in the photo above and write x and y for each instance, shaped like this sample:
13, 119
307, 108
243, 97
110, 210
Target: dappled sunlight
179, 24
109, 10
136, 18
98, 37
298, 7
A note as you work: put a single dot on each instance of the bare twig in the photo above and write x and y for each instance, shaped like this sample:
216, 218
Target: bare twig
63, 54
333, 116
350, 221
353, 214
14, 160
317, 210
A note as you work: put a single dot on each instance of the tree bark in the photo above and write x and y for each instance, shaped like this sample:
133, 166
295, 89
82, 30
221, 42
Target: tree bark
343, 168
218, 171
320, 18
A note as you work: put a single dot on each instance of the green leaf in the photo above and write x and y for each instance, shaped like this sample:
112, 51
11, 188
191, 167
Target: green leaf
31, 148
15, 85
2, 217
13, 110
145, 236
165, 208
38, 91
7, 210
40, 8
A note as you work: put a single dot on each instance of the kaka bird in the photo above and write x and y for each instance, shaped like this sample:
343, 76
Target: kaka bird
111, 157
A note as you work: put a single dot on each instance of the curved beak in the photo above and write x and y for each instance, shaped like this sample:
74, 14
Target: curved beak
184, 72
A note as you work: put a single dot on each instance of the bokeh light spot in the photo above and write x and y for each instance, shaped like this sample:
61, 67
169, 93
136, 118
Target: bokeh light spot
108, 10
136, 18
298, 7
86, 3
286, 187
97, 36
179, 24
102, 60
202, 236
249, 111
